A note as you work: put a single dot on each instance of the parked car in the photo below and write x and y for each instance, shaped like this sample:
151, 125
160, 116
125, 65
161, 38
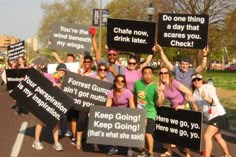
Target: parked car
232, 67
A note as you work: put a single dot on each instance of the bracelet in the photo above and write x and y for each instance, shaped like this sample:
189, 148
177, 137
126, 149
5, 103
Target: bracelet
204, 55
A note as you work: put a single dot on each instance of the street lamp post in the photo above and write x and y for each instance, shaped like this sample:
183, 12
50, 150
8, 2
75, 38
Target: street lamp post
150, 12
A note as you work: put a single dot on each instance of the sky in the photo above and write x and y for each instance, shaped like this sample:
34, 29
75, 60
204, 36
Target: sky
21, 18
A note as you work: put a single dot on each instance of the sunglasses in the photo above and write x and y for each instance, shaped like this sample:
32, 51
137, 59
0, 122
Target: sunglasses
131, 63
100, 69
196, 79
87, 61
112, 54
162, 73
122, 81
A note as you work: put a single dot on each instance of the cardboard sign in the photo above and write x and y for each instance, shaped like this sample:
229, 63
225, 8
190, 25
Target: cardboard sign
14, 76
41, 98
183, 30
70, 38
73, 67
85, 91
182, 127
131, 36
116, 126
16, 50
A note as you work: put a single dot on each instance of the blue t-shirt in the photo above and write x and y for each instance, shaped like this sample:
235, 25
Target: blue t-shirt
184, 77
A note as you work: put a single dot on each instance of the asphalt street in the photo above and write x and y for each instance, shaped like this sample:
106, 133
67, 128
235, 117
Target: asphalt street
17, 136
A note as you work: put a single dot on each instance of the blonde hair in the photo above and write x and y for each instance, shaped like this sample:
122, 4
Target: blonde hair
170, 76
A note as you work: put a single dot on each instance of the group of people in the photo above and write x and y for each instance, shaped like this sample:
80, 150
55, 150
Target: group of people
134, 87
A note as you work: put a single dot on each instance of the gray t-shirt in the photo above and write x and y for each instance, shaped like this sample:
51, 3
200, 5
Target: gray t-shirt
184, 77
119, 69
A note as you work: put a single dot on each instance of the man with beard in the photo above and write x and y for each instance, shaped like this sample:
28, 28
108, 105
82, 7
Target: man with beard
113, 67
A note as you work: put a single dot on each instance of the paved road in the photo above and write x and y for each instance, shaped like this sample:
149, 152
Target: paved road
10, 132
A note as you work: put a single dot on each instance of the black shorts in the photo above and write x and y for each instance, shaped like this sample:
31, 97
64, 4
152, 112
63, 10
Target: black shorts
82, 122
220, 122
150, 128
72, 114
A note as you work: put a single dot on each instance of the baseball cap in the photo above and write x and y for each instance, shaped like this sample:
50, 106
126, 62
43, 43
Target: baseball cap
112, 51
197, 76
61, 67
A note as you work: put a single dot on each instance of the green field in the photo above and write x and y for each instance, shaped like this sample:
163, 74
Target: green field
222, 79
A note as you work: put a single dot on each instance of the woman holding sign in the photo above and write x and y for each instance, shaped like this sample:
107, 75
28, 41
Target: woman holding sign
207, 101
174, 91
120, 96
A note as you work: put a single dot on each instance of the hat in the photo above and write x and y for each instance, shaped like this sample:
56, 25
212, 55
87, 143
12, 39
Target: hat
61, 67
112, 51
185, 59
197, 76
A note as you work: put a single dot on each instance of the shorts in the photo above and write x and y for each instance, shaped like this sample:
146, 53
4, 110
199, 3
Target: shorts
72, 114
220, 122
150, 128
82, 122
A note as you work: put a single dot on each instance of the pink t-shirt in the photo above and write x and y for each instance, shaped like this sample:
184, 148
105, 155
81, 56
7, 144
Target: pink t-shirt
131, 77
122, 100
95, 76
173, 94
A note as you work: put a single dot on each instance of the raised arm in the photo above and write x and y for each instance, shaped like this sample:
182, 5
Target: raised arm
148, 60
201, 67
94, 43
163, 57
56, 56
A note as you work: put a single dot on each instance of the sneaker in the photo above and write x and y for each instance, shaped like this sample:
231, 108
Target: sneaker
37, 145
130, 153
57, 146
13, 106
112, 151
145, 154
73, 141
68, 133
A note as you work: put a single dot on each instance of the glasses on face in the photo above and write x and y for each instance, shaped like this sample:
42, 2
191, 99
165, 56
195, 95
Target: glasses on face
120, 81
87, 61
112, 54
196, 79
131, 63
101, 69
164, 73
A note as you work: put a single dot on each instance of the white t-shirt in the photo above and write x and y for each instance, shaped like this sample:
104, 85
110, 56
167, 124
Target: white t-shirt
216, 108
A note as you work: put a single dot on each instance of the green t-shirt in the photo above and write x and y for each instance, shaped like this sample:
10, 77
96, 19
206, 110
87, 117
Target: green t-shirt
146, 98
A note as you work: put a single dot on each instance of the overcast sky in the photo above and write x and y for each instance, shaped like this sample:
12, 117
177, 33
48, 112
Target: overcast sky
21, 18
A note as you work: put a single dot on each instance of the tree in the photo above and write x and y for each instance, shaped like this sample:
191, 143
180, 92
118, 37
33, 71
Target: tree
68, 11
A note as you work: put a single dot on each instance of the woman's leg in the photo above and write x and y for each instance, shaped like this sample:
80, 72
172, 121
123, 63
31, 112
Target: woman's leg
221, 142
209, 133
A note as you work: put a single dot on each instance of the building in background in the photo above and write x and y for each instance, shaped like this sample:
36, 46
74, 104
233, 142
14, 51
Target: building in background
31, 44
7, 40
